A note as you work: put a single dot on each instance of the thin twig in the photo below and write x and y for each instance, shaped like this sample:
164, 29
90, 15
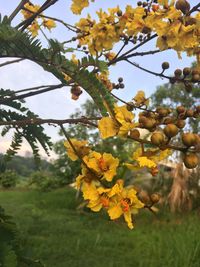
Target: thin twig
75, 151
195, 8
8, 99
24, 24
11, 62
17, 9
131, 104
67, 25
131, 50
31, 89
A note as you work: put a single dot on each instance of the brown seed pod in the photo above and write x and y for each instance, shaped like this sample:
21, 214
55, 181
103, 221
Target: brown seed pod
197, 139
191, 160
155, 198
189, 139
142, 118
162, 111
180, 109
146, 30
149, 123
183, 5
135, 134
171, 130
76, 92
180, 124
129, 106
195, 77
154, 171
189, 113
158, 138
178, 72
198, 109
168, 120
195, 71
186, 71
165, 65
144, 197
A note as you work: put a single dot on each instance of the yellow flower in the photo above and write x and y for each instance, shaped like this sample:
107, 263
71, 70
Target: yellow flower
89, 190
81, 148
145, 162
108, 127
32, 8
104, 165
103, 197
49, 24
150, 158
34, 28
140, 99
125, 118
78, 5
125, 203
121, 125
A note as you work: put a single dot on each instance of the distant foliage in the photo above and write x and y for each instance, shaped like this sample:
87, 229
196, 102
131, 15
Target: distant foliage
8, 179
45, 181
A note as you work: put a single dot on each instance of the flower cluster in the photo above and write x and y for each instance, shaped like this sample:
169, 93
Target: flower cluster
117, 200
28, 11
174, 27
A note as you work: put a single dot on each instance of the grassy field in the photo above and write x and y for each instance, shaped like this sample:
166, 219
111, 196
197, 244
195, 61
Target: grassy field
55, 232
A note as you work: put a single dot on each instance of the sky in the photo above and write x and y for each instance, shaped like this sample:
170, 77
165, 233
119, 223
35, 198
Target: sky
58, 104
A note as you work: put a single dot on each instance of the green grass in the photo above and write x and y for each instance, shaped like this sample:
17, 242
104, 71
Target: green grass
55, 232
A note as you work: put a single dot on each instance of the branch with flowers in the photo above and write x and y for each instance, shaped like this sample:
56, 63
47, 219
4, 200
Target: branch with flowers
171, 25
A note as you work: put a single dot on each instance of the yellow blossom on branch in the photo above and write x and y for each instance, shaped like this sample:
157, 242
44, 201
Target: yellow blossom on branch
34, 28
149, 159
81, 148
103, 197
49, 24
125, 203
104, 165
120, 125
78, 5
140, 99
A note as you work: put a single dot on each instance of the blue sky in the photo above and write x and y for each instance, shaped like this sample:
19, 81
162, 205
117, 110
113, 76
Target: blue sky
58, 104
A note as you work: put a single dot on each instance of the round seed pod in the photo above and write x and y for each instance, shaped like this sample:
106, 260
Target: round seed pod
178, 72
155, 198
157, 138
183, 5
191, 160
135, 134
171, 130
180, 124
189, 113
180, 109
189, 139
165, 65
186, 71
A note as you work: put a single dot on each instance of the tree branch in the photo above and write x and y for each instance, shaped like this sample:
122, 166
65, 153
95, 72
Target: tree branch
22, 123
131, 50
